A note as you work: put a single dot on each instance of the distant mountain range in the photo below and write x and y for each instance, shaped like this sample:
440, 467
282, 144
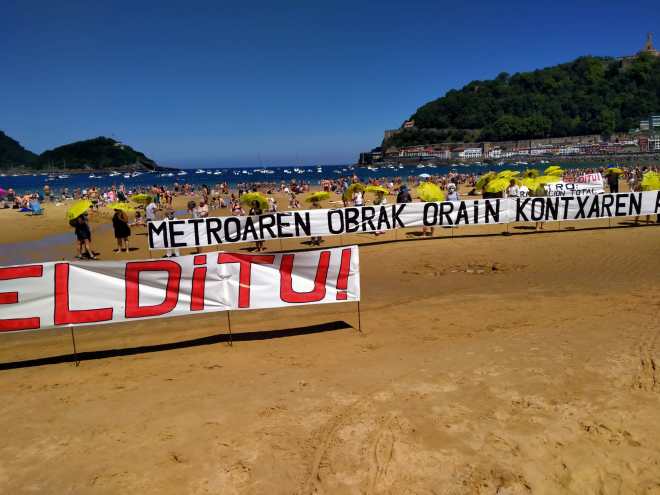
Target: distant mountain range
591, 95
92, 154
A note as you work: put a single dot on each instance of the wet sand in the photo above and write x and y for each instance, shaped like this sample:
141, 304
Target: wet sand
486, 365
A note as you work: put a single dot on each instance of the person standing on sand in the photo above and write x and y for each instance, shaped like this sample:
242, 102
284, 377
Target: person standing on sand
404, 195
257, 211
452, 195
150, 211
513, 191
316, 240
83, 237
169, 214
539, 192
122, 230
380, 200
613, 182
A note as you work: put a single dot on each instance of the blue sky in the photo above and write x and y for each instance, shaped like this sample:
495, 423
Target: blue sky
227, 84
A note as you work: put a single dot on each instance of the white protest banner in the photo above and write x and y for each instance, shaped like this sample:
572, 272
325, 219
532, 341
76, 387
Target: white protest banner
594, 179
306, 223
227, 230
561, 208
59, 294
574, 188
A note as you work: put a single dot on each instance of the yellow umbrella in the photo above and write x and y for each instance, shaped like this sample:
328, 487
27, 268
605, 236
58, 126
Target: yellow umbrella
651, 181
78, 208
142, 198
377, 189
505, 174
531, 173
430, 192
547, 179
353, 188
484, 179
553, 170
497, 185
120, 206
248, 199
317, 197
530, 183
613, 170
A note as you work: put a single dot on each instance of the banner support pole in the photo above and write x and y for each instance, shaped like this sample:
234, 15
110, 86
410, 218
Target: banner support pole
231, 341
75, 350
359, 317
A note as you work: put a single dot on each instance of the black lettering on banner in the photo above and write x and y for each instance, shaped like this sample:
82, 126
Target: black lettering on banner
635, 207
368, 214
173, 233
475, 211
493, 212
233, 231
352, 224
538, 203
657, 202
383, 219
594, 211
566, 200
520, 212
302, 224
396, 212
606, 204
249, 228
582, 202
434, 218
445, 209
161, 230
621, 205
213, 226
266, 222
281, 225
462, 214
195, 223
331, 226
551, 208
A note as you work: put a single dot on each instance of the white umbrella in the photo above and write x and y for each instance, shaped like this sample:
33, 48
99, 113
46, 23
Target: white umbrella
424, 176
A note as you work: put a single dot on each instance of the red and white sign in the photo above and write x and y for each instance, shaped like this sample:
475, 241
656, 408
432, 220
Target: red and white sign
59, 294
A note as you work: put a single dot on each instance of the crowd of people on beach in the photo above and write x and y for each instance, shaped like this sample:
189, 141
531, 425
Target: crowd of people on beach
204, 198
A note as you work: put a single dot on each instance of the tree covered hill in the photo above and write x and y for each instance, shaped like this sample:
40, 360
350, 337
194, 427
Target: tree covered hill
591, 95
12, 153
96, 154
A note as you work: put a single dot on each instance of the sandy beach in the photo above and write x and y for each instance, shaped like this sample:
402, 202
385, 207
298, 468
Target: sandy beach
487, 364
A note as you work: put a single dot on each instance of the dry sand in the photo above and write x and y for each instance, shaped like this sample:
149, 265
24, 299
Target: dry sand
487, 365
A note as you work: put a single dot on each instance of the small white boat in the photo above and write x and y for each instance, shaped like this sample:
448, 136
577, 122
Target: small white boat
63, 176
182, 173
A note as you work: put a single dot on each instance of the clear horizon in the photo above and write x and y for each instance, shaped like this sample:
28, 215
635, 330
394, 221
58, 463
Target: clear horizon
273, 85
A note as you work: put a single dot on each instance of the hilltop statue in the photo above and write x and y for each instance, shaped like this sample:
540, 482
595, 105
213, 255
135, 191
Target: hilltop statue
648, 47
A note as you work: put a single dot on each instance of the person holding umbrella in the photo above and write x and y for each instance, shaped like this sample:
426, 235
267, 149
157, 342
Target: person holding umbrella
121, 228
77, 215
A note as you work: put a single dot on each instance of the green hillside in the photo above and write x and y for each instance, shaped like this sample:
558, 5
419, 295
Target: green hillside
97, 153
12, 154
590, 95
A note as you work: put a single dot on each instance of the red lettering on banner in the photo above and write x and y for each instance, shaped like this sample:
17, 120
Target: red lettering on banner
12, 273
198, 284
342, 278
289, 295
245, 272
132, 276
63, 314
